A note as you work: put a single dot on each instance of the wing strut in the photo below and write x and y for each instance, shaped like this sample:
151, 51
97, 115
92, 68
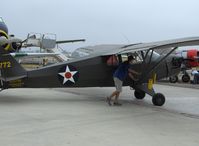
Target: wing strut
145, 73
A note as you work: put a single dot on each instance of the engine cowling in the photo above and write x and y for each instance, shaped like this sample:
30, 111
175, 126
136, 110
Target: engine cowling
193, 55
9, 44
3, 40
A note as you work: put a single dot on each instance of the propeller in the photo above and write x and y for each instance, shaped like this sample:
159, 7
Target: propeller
11, 43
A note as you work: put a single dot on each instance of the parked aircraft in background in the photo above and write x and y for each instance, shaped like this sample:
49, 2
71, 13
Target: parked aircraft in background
190, 60
46, 42
8, 42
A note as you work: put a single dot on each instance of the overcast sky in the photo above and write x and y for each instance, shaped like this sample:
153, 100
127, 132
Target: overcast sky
103, 21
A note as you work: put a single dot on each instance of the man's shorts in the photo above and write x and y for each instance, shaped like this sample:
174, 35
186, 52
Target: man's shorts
118, 84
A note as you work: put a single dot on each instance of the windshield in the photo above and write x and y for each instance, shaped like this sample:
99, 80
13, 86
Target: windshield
154, 56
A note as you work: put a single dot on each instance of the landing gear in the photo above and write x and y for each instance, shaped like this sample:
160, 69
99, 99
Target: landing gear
158, 99
139, 94
173, 79
186, 78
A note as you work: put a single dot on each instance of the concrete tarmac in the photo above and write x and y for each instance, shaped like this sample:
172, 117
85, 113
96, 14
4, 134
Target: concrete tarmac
60, 117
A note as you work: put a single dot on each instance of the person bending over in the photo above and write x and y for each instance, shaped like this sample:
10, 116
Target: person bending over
119, 76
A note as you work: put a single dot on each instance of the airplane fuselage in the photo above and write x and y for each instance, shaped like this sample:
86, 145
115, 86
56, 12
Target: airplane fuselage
87, 72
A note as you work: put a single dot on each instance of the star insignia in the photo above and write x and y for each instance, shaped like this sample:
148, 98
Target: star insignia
68, 75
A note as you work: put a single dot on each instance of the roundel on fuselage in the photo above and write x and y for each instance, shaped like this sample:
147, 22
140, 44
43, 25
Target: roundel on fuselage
68, 75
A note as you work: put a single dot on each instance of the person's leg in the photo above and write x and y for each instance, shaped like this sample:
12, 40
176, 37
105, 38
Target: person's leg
116, 102
119, 90
194, 79
118, 86
197, 78
113, 94
117, 96
109, 98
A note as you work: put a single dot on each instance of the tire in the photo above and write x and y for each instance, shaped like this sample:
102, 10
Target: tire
139, 94
158, 99
173, 79
185, 78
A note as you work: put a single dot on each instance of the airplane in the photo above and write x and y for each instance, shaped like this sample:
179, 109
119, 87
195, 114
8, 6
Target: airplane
190, 60
96, 69
43, 41
23, 54
8, 42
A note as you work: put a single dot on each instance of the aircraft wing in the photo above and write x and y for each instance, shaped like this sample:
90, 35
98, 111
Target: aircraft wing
190, 41
34, 54
70, 41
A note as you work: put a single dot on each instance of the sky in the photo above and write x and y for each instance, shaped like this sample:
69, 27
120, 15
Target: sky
103, 21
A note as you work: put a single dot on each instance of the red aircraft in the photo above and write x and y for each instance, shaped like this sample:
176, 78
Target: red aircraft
190, 60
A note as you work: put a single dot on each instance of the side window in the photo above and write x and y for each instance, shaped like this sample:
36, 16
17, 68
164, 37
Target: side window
124, 57
136, 55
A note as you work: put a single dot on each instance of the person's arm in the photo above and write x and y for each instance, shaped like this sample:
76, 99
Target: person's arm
134, 72
132, 77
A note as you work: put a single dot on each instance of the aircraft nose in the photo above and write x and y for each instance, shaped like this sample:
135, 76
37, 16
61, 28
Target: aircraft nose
3, 27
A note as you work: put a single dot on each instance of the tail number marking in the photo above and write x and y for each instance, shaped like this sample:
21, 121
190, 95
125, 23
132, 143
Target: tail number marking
5, 64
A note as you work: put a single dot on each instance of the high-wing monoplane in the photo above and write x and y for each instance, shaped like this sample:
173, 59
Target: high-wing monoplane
96, 69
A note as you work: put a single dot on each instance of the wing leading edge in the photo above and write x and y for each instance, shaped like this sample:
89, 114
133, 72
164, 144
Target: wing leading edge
190, 41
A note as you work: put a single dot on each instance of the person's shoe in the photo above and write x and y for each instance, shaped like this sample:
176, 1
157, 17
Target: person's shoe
117, 104
108, 100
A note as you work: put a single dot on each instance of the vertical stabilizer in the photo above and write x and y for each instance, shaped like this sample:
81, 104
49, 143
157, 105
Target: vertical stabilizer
10, 69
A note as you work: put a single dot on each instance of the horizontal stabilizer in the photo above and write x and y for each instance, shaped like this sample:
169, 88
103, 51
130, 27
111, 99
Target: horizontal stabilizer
12, 78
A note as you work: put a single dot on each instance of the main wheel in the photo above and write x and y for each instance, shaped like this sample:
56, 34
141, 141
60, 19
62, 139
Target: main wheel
173, 79
139, 94
185, 78
158, 99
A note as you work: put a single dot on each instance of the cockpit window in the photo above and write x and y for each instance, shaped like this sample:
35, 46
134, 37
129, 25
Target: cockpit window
140, 56
154, 56
136, 55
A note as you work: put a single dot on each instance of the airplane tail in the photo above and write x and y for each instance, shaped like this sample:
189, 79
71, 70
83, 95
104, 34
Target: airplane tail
10, 69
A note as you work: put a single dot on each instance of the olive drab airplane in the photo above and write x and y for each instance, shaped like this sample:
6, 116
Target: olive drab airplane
96, 69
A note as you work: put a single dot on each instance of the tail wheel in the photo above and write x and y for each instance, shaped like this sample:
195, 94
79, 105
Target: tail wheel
139, 94
185, 78
173, 79
158, 99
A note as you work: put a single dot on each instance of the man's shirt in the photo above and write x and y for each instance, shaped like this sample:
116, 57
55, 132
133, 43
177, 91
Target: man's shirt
122, 71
